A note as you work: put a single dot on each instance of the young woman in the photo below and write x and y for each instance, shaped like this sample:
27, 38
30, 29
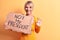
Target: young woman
35, 24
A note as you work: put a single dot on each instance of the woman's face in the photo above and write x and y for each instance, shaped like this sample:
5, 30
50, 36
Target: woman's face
29, 8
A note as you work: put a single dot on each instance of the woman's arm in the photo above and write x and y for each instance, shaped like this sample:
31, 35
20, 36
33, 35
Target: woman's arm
37, 26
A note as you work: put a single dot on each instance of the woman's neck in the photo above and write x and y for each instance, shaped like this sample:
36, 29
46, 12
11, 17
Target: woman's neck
28, 14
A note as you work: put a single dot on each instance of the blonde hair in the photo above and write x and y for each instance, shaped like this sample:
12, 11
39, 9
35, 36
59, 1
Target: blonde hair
28, 2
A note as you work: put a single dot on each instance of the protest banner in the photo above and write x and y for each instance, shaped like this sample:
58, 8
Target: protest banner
19, 23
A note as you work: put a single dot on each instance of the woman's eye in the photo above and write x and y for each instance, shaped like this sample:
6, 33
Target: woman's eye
26, 7
30, 7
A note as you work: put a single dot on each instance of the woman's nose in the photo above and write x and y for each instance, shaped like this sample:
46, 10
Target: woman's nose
28, 8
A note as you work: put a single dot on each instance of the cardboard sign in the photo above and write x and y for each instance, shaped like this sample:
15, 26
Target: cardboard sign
19, 23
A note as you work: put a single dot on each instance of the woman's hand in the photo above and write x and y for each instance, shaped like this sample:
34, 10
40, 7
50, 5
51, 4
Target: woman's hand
37, 26
38, 22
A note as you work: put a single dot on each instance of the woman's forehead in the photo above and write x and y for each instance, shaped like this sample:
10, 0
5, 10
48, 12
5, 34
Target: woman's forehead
30, 4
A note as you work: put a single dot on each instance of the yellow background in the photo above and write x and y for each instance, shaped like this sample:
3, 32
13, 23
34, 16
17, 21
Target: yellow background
47, 10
